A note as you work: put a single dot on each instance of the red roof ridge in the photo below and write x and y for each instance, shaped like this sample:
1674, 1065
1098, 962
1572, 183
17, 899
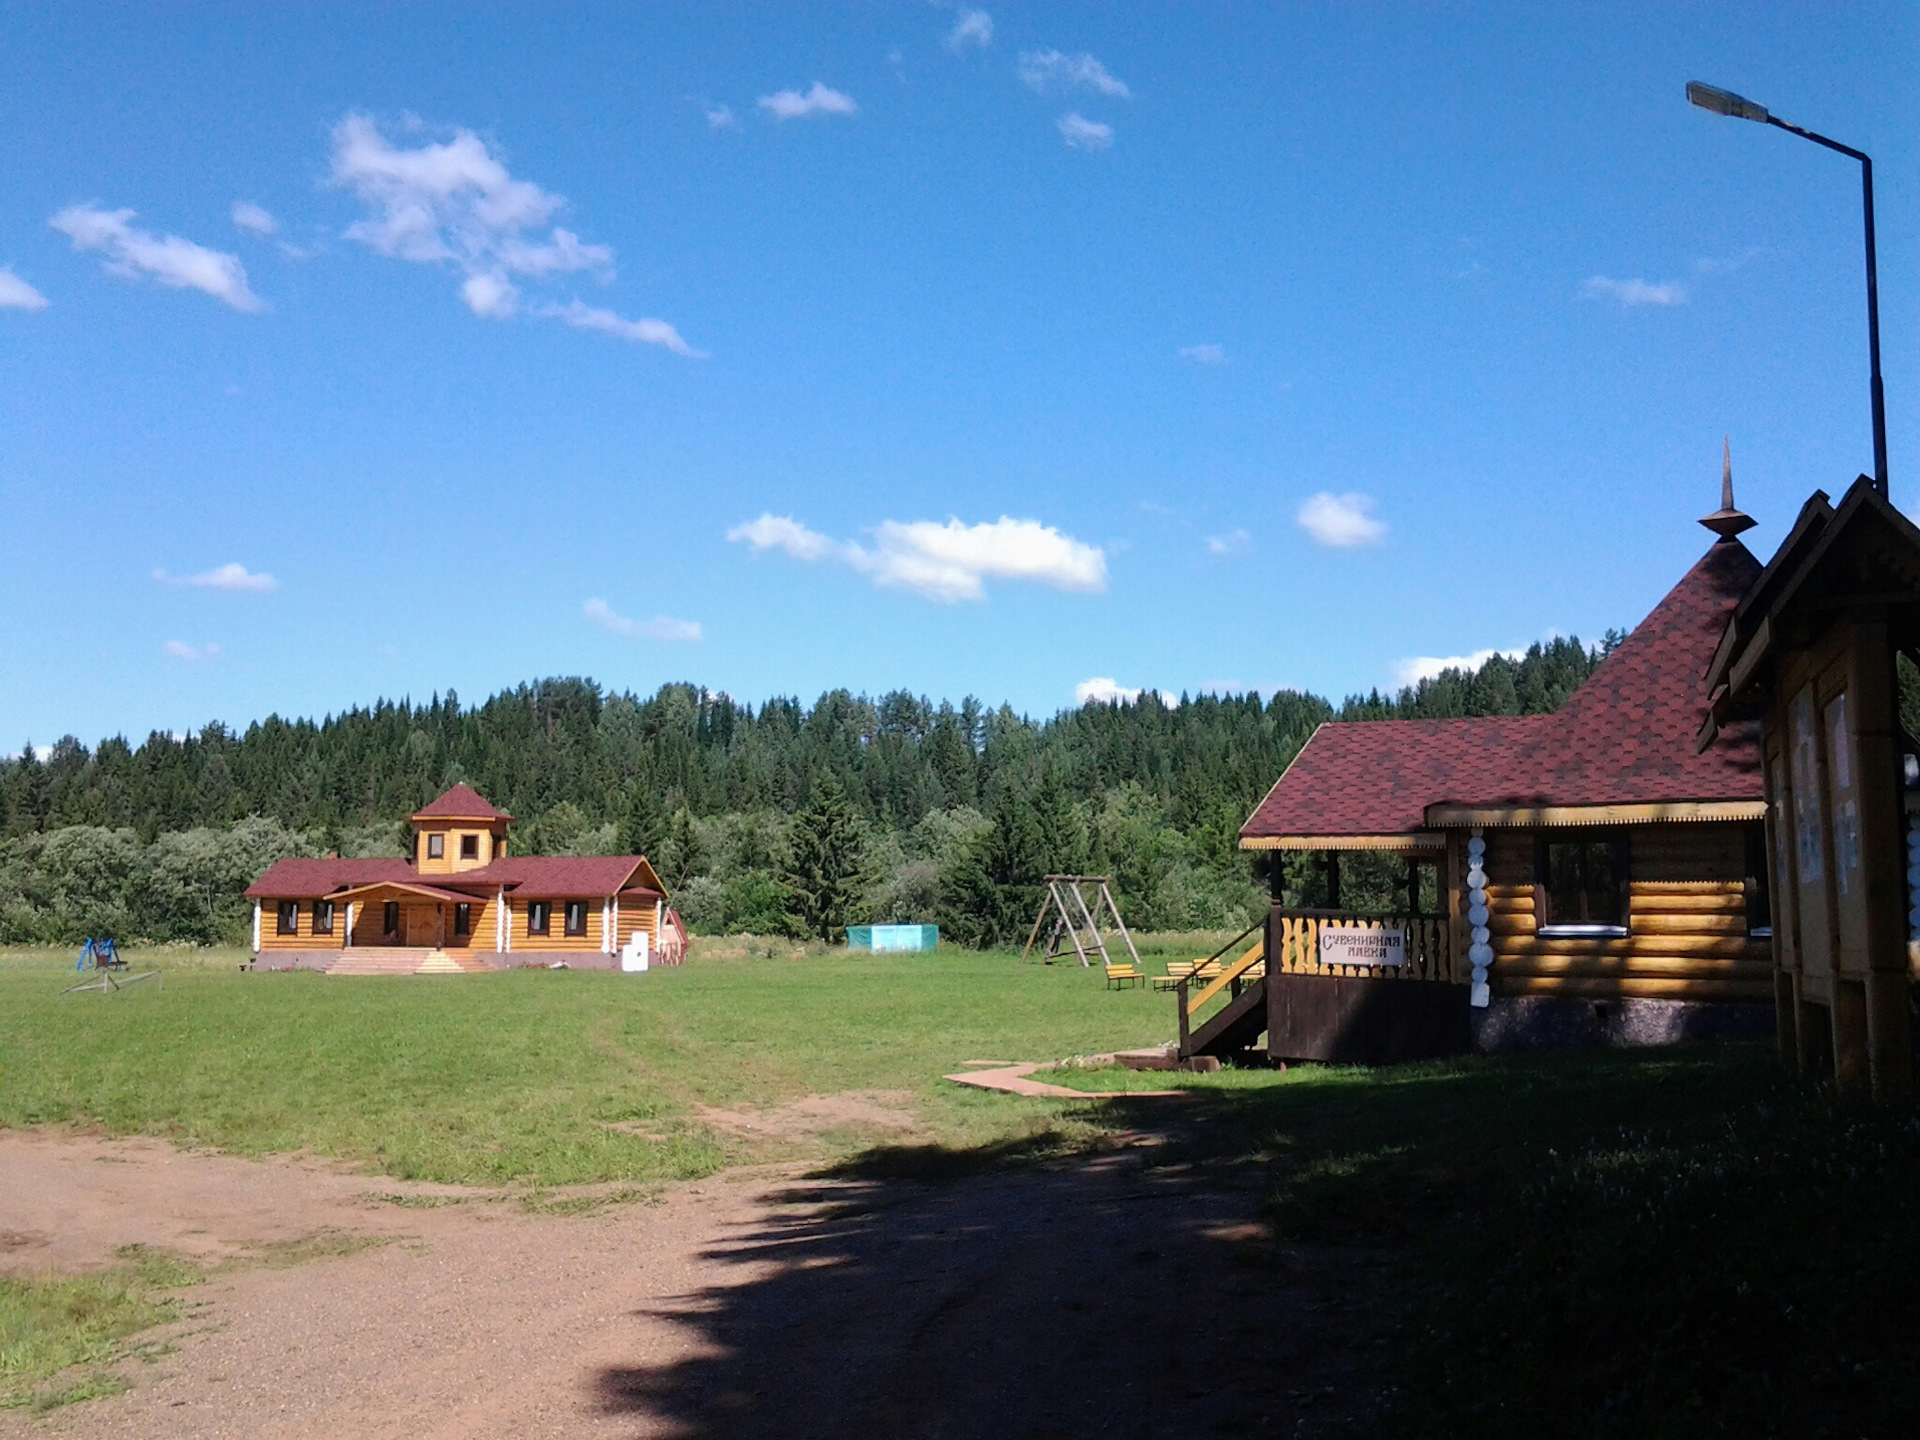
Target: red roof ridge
460, 802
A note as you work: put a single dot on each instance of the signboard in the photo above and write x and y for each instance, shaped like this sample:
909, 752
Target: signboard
1350, 945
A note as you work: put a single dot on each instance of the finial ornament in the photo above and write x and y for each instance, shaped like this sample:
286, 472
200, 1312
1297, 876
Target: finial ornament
1727, 522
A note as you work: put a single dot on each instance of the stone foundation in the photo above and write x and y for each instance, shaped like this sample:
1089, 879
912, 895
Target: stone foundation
1556, 1022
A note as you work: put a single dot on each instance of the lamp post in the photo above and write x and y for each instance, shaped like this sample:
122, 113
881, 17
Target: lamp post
1725, 102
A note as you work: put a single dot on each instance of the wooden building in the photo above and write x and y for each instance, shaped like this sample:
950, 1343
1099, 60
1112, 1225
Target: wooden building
460, 902
1811, 652
1601, 876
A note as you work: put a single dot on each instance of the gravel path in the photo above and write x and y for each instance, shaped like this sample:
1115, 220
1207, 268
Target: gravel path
1079, 1300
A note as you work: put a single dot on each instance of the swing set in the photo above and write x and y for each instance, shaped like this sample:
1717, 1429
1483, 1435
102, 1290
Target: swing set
102, 957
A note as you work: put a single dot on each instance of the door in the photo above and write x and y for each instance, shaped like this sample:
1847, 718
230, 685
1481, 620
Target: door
419, 925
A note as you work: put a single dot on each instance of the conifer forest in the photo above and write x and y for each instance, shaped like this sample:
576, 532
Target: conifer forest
781, 819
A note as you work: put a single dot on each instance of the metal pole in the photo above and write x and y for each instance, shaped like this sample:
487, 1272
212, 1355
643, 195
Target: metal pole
1877, 389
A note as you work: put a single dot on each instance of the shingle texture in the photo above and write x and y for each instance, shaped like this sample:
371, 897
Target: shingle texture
1624, 737
527, 875
462, 802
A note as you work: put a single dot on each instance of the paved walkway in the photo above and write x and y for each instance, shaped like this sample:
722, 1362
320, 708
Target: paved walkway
1012, 1078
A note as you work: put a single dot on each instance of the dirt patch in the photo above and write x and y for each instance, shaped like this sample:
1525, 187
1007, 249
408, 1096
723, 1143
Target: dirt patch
882, 1111
1087, 1298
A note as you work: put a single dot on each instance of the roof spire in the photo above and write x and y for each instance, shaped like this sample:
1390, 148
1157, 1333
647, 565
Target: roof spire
1727, 522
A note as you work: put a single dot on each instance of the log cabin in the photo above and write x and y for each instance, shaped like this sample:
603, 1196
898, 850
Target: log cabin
460, 902
1601, 876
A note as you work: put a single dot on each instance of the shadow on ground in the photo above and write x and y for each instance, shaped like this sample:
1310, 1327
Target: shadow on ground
921, 1292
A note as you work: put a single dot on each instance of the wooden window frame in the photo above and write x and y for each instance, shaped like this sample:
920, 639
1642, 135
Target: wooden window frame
570, 927
390, 918
286, 917
463, 917
1756, 886
436, 847
323, 917
539, 917
469, 847
1543, 919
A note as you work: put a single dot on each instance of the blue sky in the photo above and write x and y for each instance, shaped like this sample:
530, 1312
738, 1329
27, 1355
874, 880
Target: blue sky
898, 345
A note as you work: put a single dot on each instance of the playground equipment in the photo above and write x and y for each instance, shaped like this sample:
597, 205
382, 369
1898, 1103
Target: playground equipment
102, 958
1066, 902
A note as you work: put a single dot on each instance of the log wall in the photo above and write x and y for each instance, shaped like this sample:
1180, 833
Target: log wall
1686, 923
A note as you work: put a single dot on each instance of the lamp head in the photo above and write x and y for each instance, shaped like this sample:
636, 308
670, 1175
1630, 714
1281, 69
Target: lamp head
1725, 102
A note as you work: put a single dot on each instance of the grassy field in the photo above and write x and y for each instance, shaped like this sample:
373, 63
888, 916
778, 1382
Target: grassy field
517, 1077
1603, 1244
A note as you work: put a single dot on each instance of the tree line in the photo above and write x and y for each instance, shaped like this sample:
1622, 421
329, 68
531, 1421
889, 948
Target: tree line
783, 817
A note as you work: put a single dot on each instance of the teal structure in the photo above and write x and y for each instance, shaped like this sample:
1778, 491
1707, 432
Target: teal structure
892, 937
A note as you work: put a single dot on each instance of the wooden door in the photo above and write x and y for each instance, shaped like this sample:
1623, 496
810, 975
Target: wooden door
419, 925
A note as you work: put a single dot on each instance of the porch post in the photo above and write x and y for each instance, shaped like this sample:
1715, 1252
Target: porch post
606, 920
346, 939
500, 931
256, 927
1480, 952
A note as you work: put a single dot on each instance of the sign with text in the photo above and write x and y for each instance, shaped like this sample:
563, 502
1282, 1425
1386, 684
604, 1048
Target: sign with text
1350, 945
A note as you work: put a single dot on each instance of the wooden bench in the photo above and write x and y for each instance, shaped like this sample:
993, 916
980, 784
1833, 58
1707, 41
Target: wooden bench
1122, 975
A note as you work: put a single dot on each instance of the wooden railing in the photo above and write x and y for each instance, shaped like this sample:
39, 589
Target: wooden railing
1295, 944
1231, 977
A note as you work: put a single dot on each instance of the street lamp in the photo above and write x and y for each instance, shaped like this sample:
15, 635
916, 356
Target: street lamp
1725, 102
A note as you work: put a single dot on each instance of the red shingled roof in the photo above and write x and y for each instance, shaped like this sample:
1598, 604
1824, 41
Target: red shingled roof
540, 876
302, 879
462, 802
1624, 737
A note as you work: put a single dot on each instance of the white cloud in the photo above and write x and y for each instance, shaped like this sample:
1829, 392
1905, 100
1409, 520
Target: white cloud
455, 203
820, 100
646, 332
1424, 667
1204, 354
720, 117
661, 627
17, 294
1105, 690
1341, 520
1043, 70
174, 262
776, 532
974, 27
180, 650
254, 219
1083, 134
1231, 543
231, 576
1634, 292
945, 562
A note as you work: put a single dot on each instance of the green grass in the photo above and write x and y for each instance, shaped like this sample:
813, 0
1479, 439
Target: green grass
1590, 1245
523, 1077
75, 1326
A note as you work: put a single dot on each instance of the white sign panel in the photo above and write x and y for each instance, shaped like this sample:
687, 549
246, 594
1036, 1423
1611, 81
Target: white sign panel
1346, 945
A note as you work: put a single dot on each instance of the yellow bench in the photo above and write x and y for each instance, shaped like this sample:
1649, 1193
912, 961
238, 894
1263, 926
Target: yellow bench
1121, 975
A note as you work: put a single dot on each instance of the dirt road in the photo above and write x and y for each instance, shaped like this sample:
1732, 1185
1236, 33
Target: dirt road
1088, 1299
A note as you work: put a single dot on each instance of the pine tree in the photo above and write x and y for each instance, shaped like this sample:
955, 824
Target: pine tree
680, 852
827, 868
644, 830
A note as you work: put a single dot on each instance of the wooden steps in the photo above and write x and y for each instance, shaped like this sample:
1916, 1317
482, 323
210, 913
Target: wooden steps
405, 960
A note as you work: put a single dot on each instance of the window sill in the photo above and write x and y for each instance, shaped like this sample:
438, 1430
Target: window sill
1582, 932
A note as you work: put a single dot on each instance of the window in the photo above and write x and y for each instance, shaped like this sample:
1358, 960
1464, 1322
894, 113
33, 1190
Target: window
1580, 885
390, 918
287, 920
576, 917
436, 846
323, 917
539, 917
469, 847
463, 919
1759, 901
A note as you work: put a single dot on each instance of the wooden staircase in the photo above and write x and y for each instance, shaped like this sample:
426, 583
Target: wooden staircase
1237, 1024
406, 960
